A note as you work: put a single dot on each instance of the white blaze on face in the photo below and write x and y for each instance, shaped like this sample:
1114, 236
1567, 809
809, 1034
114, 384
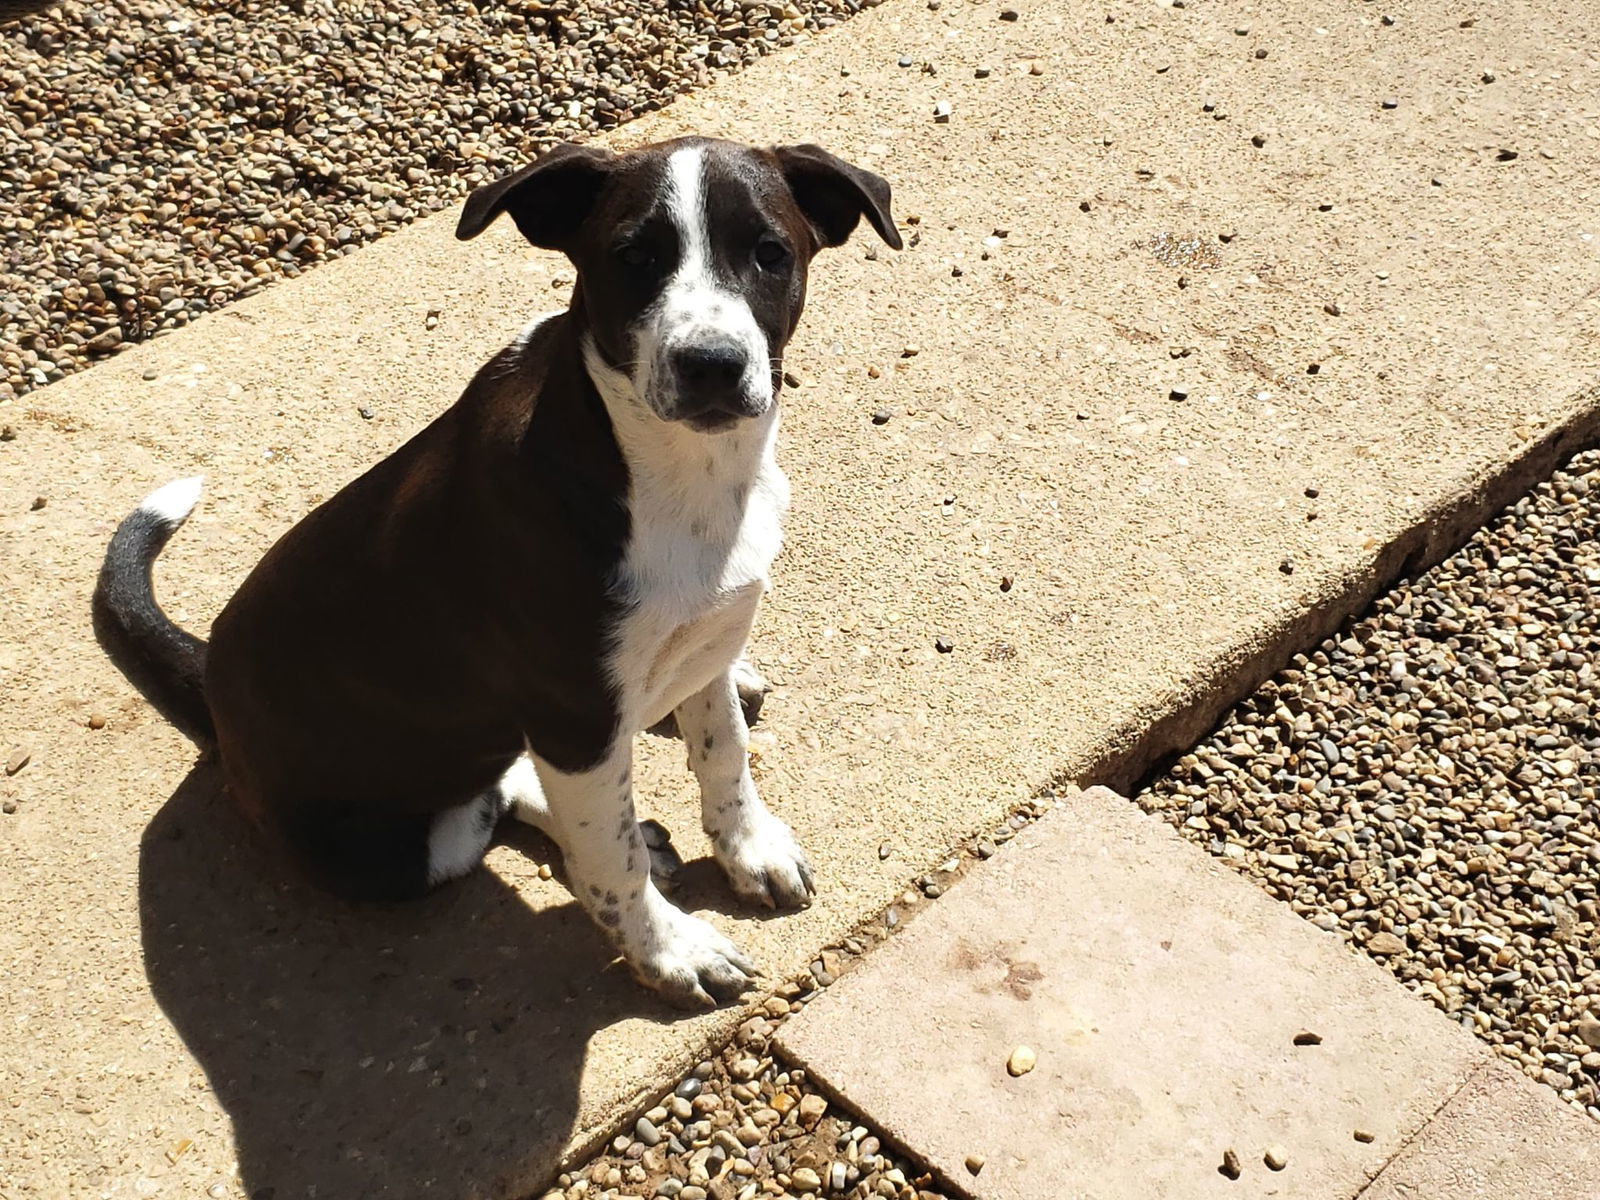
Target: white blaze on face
694, 308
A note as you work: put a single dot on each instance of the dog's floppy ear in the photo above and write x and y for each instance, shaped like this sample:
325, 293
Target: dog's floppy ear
548, 199
834, 195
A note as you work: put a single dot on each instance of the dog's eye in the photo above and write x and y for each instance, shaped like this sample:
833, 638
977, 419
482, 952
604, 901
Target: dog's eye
771, 254
635, 257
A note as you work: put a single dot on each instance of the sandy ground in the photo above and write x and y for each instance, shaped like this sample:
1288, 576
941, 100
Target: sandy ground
178, 1018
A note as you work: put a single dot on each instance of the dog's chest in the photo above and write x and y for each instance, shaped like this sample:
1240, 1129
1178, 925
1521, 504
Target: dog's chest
705, 528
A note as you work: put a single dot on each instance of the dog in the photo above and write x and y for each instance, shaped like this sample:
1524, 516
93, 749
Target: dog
480, 624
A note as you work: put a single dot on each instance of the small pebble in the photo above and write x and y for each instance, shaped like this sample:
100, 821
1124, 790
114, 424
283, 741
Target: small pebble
1230, 1164
975, 1163
1306, 1038
1384, 942
1363, 1135
1276, 1158
1022, 1060
38, 503
17, 761
882, 416
943, 645
96, 721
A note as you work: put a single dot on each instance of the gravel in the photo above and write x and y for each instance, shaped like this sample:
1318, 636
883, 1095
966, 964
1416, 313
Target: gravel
746, 1125
1425, 783
159, 160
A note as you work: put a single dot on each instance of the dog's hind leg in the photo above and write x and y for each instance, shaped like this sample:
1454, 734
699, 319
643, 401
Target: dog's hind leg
460, 835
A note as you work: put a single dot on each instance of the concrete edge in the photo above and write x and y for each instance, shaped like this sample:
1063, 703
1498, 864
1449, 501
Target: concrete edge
1134, 750
1495, 1076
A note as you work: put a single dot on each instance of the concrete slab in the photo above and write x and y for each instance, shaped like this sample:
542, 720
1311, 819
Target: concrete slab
1162, 996
176, 1019
1502, 1137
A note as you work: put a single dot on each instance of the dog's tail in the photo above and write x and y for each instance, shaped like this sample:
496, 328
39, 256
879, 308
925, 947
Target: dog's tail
164, 662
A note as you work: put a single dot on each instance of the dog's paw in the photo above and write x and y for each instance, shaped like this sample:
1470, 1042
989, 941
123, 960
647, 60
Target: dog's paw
752, 689
665, 861
689, 963
765, 864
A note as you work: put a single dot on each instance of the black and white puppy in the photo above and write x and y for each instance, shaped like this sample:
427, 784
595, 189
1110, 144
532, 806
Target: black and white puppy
483, 622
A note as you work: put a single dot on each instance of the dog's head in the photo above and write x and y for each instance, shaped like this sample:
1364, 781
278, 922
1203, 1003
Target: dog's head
691, 258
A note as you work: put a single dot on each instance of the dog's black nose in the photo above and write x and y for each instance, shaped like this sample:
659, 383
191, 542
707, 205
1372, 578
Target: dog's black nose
710, 369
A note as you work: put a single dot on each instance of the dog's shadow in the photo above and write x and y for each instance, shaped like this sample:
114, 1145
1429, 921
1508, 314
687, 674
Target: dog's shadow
434, 1048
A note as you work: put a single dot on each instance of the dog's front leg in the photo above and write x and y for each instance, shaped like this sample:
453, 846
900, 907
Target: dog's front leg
591, 816
758, 852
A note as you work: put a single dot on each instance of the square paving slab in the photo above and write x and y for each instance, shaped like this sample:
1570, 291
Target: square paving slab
1163, 997
1502, 1137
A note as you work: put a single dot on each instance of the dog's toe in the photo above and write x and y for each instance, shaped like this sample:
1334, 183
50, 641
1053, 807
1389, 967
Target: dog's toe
752, 689
665, 861
765, 865
692, 965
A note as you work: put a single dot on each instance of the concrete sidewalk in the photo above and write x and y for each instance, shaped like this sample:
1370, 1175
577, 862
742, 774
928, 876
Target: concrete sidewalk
179, 1019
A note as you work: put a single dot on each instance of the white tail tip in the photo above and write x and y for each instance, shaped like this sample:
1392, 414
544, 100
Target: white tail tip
173, 503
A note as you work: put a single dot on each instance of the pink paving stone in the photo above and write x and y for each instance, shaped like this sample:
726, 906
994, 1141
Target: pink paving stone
1162, 993
1502, 1137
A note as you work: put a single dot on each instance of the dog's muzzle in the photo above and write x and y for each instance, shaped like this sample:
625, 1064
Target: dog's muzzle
710, 382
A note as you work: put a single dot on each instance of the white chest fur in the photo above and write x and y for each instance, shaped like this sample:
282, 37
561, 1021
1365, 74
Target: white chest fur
705, 513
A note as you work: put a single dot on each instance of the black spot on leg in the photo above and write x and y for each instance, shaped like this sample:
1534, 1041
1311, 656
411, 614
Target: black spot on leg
633, 864
583, 824
595, 892
697, 528
740, 491
709, 742
609, 917
622, 780
611, 899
